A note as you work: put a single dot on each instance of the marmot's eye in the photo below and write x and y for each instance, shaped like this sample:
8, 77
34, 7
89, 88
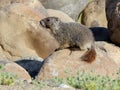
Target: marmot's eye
48, 20
56, 19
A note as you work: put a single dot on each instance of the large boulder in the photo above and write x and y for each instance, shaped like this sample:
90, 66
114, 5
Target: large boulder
70, 7
112, 51
11, 67
26, 86
4, 3
21, 35
65, 63
94, 14
56, 13
113, 17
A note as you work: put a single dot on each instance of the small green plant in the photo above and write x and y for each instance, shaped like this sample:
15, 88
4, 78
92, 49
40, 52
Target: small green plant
1, 66
7, 78
80, 18
91, 81
40, 84
67, 71
56, 81
85, 81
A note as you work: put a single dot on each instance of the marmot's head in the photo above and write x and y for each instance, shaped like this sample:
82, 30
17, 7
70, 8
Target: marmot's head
50, 22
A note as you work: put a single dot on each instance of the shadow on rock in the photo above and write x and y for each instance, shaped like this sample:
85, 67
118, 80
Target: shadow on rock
32, 66
101, 34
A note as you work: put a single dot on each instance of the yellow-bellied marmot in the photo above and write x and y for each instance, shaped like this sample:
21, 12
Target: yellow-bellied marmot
72, 34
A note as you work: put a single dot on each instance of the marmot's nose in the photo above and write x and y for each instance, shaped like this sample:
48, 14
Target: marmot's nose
42, 23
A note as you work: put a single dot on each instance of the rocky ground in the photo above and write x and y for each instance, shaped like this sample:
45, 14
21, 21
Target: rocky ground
28, 50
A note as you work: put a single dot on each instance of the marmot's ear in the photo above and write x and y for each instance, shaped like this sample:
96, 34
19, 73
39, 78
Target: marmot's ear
57, 19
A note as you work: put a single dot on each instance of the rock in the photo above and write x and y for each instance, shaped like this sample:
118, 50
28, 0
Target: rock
113, 17
94, 14
25, 38
14, 68
101, 34
56, 13
35, 4
63, 64
20, 33
64, 86
70, 7
31, 87
112, 51
4, 3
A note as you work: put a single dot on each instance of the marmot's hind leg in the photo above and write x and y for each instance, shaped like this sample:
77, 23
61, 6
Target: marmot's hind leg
85, 47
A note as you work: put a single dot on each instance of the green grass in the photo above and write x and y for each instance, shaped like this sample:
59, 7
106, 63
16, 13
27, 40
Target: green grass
89, 81
7, 78
1, 66
40, 84
82, 80
79, 20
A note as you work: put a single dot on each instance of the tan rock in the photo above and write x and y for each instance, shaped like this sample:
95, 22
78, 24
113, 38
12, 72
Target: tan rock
20, 33
70, 7
36, 4
12, 67
31, 87
33, 4
56, 13
111, 50
94, 14
4, 3
113, 17
63, 64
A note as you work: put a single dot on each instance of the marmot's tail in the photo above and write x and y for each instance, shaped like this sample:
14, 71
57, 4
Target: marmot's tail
90, 55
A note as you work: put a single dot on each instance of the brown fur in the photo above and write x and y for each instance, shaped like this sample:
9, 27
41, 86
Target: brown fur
71, 35
89, 56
